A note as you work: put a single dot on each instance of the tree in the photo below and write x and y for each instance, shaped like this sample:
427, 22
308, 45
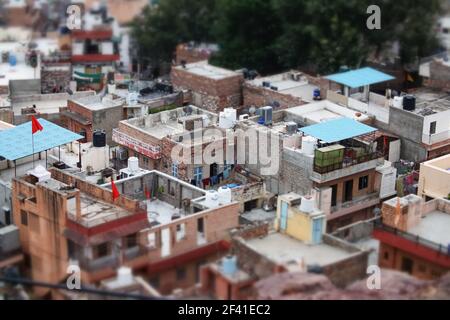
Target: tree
162, 27
246, 32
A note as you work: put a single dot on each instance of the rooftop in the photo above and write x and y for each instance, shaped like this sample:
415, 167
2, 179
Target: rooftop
293, 83
96, 102
204, 69
323, 111
433, 226
337, 130
429, 101
283, 249
360, 77
169, 123
95, 211
17, 141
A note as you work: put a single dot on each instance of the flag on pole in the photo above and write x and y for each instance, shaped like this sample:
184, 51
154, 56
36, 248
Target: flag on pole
115, 192
35, 125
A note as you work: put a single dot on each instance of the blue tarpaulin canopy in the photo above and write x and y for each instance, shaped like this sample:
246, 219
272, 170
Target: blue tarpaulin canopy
15, 143
337, 130
360, 77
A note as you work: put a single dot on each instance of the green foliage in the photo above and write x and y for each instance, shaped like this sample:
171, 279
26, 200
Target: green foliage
163, 108
162, 27
246, 32
273, 35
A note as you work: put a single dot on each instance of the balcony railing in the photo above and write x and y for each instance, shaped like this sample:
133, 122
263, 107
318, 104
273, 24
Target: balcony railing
348, 162
441, 249
153, 152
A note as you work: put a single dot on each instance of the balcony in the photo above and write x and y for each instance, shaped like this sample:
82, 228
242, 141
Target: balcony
103, 34
354, 205
351, 164
95, 57
150, 151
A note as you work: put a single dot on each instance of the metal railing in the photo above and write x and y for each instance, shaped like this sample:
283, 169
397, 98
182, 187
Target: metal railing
348, 162
441, 249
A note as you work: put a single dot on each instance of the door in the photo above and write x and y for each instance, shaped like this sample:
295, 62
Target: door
317, 230
283, 216
348, 190
407, 265
333, 195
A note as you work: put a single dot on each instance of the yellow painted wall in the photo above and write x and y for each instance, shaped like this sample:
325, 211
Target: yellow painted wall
434, 179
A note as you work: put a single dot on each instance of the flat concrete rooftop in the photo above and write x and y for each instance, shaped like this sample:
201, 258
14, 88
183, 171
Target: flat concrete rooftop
434, 227
206, 70
95, 212
298, 88
283, 249
429, 101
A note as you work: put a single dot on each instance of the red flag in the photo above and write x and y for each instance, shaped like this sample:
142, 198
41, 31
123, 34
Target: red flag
115, 192
35, 125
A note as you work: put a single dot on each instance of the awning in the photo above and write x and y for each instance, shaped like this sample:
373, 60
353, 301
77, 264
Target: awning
360, 77
16, 142
337, 130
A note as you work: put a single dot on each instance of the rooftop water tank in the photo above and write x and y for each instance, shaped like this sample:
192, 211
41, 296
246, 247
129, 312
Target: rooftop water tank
99, 139
227, 118
211, 199
397, 102
308, 145
133, 164
229, 265
12, 60
307, 204
409, 103
224, 195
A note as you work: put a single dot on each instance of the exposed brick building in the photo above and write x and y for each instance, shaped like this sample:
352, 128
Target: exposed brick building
289, 89
165, 237
212, 88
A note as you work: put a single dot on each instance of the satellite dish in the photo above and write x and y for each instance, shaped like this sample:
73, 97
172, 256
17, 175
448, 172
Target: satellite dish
252, 110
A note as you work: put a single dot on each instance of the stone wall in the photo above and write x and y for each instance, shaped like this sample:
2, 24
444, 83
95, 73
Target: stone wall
260, 97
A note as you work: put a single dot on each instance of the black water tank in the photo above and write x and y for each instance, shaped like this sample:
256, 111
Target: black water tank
409, 103
99, 138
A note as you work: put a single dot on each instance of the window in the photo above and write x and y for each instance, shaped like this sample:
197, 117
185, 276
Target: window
131, 240
444, 30
24, 217
145, 160
386, 255
198, 174
181, 231
175, 170
102, 250
333, 195
181, 274
433, 127
363, 182
34, 223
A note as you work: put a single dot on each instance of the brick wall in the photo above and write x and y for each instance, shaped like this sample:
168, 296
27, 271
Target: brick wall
439, 76
54, 79
190, 55
213, 95
260, 97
